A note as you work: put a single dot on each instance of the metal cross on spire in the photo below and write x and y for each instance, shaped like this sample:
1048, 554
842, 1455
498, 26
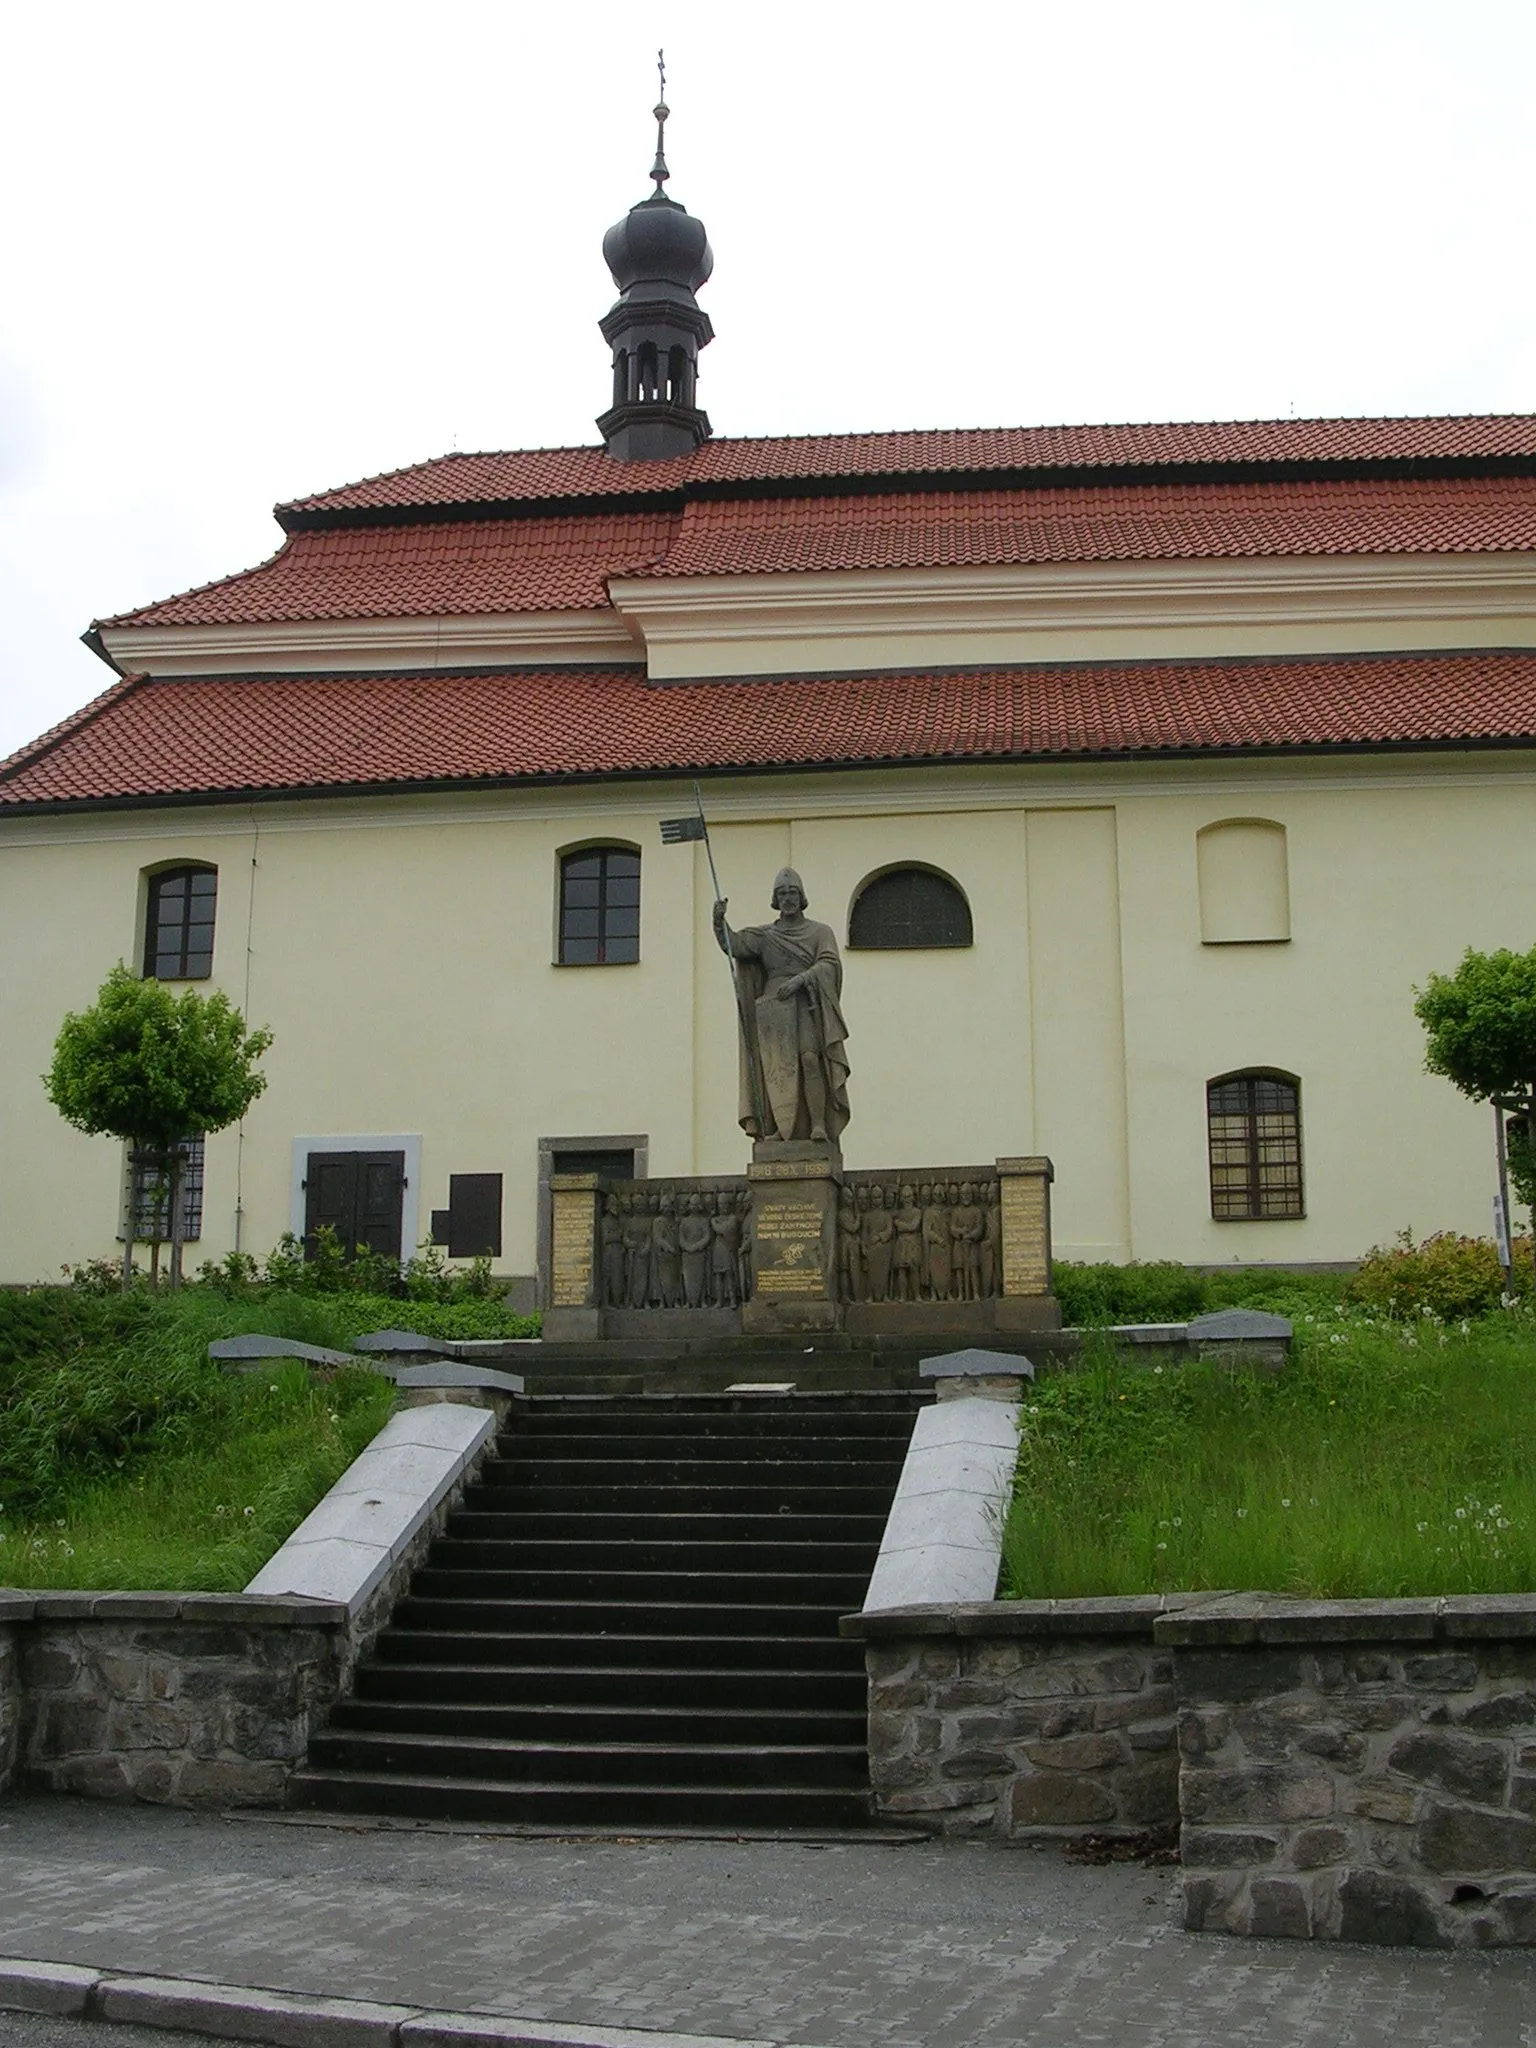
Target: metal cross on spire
659, 169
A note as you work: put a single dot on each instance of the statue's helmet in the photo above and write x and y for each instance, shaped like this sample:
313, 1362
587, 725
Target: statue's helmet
788, 878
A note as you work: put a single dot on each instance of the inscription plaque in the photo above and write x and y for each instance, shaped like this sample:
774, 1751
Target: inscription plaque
787, 1234
1026, 1256
571, 1248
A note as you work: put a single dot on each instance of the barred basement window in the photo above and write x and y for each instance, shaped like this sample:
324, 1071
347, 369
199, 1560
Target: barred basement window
178, 935
1254, 1126
149, 1194
599, 907
909, 907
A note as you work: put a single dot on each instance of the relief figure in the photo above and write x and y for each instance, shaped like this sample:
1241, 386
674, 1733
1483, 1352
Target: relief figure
666, 1267
936, 1263
876, 1231
695, 1235
850, 1265
725, 1252
637, 1252
906, 1248
610, 1237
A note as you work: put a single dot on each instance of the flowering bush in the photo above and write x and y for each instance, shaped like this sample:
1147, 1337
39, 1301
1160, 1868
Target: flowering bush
1444, 1275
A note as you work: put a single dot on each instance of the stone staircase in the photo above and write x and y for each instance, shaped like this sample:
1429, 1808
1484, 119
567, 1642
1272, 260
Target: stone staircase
631, 1621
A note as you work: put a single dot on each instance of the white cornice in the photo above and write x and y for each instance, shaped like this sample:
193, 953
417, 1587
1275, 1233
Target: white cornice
310, 646
911, 790
800, 622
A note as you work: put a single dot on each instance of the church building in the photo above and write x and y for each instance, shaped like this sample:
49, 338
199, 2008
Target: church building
1140, 771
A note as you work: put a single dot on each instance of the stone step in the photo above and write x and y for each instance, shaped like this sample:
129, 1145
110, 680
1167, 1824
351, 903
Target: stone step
626, 1687
660, 1649
791, 1591
650, 1554
465, 1605
664, 1419
533, 1495
703, 1469
589, 1531
648, 1448
725, 1807
692, 1764
758, 1726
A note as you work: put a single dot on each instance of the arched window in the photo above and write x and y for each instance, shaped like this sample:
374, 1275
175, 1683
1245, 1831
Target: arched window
1253, 1123
1245, 892
178, 929
909, 906
599, 906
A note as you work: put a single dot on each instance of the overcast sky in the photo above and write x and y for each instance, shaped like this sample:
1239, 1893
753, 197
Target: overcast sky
252, 251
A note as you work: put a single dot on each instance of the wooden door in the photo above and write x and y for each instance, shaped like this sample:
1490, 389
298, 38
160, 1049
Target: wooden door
361, 1196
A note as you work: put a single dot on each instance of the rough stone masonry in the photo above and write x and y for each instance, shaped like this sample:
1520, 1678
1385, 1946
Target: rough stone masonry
1361, 1770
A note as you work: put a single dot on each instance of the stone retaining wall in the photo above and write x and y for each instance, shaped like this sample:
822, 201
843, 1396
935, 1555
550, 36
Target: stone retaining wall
1350, 1770
1023, 1720
1363, 1770
196, 1699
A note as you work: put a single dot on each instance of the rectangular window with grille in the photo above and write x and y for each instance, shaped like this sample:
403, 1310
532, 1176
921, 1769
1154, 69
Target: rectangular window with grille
149, 1195
1254, 1128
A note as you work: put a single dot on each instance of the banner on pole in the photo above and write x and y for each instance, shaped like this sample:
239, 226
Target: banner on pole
1501, 1231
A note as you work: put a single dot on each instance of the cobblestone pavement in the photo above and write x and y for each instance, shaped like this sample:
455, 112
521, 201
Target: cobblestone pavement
847, 1945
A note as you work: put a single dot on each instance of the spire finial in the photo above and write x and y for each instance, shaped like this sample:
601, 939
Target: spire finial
659, 169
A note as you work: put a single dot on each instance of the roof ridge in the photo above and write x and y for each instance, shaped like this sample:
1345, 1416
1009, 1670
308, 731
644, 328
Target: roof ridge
1310, 419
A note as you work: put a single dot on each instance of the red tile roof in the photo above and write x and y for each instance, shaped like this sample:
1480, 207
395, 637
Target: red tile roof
548, 563
147, 740
490, 565
583, 472
1115, 523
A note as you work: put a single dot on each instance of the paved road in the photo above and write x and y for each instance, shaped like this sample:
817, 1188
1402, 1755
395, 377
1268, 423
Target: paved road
847, 1945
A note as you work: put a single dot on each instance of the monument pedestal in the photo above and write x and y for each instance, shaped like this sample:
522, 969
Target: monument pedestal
793, 1223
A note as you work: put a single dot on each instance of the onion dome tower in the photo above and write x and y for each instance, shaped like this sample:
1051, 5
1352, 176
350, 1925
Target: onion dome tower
659, 255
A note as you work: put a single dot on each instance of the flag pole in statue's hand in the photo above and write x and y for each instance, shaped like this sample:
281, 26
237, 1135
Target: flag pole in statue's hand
674, 832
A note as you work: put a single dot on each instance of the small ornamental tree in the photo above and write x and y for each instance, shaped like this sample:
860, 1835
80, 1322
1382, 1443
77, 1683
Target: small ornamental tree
1481, 1023
155, 1069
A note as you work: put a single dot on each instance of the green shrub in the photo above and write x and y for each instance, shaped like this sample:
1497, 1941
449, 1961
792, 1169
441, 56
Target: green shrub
1162, 1292
426, 1276
1155, 1293
1446, 1276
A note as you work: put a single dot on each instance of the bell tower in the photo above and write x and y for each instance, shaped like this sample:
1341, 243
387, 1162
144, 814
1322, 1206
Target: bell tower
659, 255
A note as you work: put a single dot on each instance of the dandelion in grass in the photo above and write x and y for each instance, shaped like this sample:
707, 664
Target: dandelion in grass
1285, 1503
1242, 1514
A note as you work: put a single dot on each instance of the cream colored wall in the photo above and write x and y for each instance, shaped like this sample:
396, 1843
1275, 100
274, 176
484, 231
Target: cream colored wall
401, 949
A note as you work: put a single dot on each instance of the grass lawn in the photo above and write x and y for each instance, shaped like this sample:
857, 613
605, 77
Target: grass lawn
1386, 1459
129, 1460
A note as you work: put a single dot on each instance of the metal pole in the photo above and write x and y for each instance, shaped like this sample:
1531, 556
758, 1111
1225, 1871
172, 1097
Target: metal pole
759, 1108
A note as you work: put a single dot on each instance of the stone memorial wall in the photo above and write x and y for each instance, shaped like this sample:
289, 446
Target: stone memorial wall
798, 1243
